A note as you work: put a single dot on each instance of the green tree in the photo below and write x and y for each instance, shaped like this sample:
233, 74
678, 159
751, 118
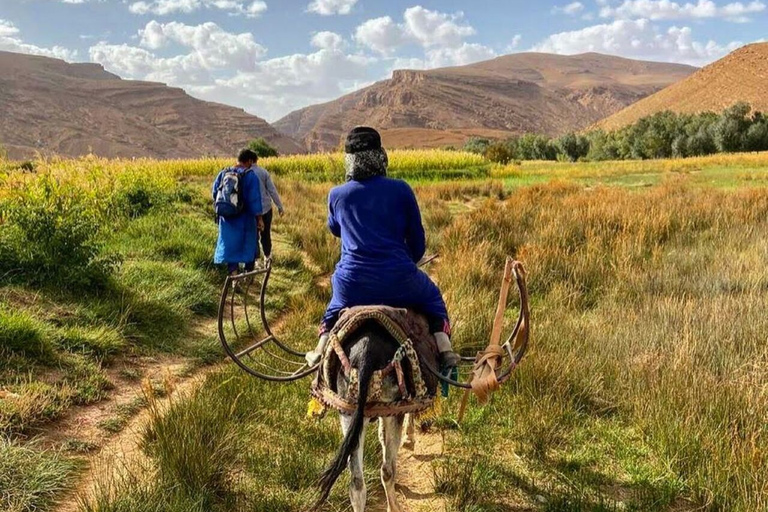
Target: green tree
262, 148
477, 145
757, 137
680, 146
572, 147
730, 131
535, 147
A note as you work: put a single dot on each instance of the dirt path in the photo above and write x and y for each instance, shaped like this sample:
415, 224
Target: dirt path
120, 452
416, 482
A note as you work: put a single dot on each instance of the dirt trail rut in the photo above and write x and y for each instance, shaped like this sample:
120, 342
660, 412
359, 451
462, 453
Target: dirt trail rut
415, 476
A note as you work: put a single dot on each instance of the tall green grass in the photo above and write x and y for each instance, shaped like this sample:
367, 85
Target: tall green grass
29, 479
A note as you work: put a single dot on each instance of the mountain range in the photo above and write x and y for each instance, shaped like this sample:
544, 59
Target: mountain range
740, 76
49, 106
523, 92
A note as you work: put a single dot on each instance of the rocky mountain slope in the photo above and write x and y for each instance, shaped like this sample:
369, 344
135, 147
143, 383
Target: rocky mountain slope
739, 76
53, 107
524, 92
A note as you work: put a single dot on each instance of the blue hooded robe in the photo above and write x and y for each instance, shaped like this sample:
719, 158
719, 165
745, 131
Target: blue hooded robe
238, 236
382, 239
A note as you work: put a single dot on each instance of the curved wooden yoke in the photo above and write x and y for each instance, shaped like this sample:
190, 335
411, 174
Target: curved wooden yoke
263, 355
495, 364
256, 350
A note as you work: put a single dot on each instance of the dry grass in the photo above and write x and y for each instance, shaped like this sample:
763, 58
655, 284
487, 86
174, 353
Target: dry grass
644, 389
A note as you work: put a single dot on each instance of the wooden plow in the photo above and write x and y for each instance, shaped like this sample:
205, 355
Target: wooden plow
260, 353
256, 349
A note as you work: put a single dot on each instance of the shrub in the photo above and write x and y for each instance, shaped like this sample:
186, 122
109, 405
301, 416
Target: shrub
499, 153
573, 147
476, 145
262, 148
757, 136
52, 237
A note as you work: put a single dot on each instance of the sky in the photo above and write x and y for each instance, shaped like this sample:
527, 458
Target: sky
271, 57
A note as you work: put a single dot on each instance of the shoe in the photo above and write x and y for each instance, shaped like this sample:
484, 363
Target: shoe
313, 358
449, 359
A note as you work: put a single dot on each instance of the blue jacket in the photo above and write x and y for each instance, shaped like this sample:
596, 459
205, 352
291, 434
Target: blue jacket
382, 237
238, 236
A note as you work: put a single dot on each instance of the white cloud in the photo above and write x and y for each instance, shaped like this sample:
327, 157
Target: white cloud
212, 47
430, 29
571, 9
515, 44
328, 41
331, 7
382, 35
442, 37
637, 39
468, 53
669, 10
219, 66
10, 42
249, 8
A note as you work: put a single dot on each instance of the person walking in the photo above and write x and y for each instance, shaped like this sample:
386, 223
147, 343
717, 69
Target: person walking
268, 196
237, 203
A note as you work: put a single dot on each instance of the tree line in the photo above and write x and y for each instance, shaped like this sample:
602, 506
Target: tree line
662, 135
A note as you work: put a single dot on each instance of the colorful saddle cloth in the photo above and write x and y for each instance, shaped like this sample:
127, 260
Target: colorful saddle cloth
417, 385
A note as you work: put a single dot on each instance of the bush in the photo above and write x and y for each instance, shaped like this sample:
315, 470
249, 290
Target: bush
262, 148
572, 147
757, 137
499, 153
476, 145
50, 236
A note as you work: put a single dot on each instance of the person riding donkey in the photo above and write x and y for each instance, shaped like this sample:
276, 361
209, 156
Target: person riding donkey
238, 204
382, 240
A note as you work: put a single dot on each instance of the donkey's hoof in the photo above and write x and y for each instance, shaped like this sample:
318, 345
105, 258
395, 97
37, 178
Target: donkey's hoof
409, 444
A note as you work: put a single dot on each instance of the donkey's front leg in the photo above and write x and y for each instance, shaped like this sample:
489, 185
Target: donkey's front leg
357, 491
390, 432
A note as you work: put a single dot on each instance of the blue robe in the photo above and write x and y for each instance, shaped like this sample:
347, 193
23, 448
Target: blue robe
382, 239
238, 236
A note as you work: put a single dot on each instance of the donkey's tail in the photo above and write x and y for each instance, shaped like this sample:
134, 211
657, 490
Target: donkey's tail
352, 439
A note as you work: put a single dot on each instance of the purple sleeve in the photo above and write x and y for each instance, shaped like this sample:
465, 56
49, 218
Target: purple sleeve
414, 231
333, 223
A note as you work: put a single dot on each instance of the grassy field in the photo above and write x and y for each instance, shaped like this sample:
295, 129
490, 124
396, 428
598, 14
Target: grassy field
644, 388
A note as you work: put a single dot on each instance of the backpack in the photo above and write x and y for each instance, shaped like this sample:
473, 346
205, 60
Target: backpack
230, 200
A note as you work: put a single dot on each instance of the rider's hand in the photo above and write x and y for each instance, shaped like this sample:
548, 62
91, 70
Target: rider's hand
281, 212
260, 224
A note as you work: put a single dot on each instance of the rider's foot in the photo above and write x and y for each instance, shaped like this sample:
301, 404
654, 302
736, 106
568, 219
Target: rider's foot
449, 359
313, 358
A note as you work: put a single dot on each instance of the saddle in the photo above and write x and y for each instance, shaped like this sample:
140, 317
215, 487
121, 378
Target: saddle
417, 386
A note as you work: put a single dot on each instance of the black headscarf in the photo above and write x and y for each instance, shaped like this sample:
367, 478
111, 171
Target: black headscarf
365, 157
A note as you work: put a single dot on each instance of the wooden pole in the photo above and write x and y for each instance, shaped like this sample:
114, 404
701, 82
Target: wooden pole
484, 374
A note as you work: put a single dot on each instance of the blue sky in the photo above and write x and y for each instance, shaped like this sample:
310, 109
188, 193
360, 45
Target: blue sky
273, 56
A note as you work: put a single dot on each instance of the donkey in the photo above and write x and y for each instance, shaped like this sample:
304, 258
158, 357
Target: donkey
371, 348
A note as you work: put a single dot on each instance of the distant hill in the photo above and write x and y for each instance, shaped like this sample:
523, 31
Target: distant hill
524, 92
739, 76
52, 106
